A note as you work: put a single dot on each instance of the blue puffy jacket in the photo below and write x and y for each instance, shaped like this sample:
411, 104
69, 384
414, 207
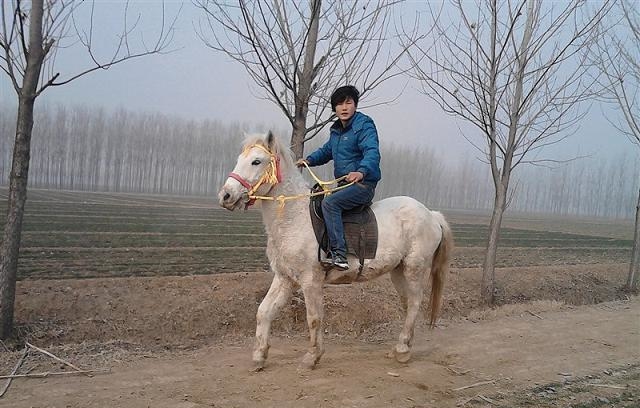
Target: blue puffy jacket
352, 148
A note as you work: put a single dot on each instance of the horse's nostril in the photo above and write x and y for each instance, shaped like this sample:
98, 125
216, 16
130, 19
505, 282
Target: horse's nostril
226, 196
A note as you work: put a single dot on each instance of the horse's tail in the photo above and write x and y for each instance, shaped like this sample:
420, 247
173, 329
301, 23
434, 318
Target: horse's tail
440, 267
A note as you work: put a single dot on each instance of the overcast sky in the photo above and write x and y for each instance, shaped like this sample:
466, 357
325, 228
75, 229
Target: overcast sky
196, 82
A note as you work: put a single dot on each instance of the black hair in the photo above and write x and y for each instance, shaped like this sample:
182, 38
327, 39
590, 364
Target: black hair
342, 94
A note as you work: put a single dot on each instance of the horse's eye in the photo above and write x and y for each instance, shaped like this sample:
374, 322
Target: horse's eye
255, 162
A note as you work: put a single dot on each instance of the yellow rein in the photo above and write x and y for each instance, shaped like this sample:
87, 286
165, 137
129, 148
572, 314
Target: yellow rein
270, 177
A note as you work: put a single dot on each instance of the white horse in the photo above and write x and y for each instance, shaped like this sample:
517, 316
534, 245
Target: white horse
411, 238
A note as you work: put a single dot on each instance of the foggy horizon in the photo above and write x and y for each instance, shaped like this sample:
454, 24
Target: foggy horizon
196, 83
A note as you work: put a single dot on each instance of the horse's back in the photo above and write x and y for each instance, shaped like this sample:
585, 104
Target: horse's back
403, 219
400, 206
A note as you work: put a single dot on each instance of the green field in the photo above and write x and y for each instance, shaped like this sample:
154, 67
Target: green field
78, 234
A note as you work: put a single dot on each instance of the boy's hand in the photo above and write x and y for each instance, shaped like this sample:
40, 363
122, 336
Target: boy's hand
302, 162
354, 176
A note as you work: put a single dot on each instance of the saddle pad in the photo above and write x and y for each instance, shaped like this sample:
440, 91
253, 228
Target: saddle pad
361, 233
360, 229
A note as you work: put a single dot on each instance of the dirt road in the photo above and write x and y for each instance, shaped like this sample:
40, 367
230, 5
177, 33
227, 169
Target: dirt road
498, 361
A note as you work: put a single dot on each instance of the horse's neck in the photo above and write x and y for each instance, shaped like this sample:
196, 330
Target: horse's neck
294, 212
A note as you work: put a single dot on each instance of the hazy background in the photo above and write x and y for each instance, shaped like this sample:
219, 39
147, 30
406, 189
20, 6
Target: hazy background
195, 83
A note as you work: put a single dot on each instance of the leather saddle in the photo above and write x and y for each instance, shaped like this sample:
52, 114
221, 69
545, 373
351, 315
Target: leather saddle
360, 228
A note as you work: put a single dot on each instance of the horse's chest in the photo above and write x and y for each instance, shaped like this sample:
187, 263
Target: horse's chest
288, 256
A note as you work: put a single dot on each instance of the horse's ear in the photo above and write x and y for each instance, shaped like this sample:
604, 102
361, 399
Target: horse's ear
271, 141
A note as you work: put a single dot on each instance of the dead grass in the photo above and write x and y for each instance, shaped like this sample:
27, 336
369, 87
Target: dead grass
189, 311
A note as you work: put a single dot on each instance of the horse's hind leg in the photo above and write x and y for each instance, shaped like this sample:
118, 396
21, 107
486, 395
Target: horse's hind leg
414, 289
277, 296
400, 283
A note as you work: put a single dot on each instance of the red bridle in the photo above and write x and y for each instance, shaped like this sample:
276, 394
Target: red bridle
241, 180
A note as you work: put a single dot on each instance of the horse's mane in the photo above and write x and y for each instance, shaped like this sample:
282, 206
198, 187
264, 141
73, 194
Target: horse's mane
277, 146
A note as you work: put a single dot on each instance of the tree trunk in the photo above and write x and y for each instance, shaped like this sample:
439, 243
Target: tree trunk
489, 266
297, 136
634, 269
501, 179
9, 251
15, 210
305, 79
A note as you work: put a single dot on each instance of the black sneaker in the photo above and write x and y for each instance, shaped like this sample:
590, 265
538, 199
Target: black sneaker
326, 259
340, 262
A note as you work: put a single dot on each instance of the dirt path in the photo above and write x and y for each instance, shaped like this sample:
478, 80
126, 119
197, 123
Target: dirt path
517, 352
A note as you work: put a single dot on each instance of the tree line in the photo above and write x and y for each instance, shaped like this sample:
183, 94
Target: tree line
81, 148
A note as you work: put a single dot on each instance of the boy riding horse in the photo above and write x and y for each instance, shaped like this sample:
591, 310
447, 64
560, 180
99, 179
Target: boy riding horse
354, 148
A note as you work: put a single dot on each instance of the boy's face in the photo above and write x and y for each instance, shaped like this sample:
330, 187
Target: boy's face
345, 110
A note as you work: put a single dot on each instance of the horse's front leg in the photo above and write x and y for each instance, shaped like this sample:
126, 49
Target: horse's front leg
315, 312
277, 296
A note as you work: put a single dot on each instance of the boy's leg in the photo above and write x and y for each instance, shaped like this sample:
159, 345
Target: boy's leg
332, 207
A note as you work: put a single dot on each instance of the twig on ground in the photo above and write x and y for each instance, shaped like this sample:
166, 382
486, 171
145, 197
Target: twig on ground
29, 370
474, 385
456, 372
486, 399
475, 398
15, 370
47, 374
465, 402
45, 352
533, 314
617, 387
4, 346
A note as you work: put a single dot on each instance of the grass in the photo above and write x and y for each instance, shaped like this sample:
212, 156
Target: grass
68, 234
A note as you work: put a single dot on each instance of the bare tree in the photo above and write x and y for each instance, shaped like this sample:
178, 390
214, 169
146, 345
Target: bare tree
298, 53
616, 54
514, 71
30, 36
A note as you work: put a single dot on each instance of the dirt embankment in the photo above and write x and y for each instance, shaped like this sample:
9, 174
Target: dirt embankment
179, 312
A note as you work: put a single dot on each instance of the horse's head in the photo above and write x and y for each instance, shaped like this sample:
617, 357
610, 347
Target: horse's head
257, 171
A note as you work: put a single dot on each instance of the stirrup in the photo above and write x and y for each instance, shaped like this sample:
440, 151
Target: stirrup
326, 259
341, 262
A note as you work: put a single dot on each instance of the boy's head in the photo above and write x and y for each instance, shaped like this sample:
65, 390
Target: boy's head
342, 94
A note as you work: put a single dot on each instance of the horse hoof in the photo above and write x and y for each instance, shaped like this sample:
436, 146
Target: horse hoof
258, 365
402, 354
309, 361
403, 357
